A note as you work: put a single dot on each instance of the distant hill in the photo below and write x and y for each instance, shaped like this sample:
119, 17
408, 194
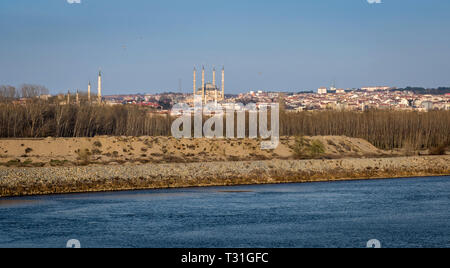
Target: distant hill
429, 91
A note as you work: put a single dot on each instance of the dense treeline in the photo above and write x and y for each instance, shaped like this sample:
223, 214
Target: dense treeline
9, 93
430, 91
384, 129
40, 119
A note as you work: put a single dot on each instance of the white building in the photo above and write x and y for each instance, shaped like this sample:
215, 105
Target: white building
371, 89
322, 90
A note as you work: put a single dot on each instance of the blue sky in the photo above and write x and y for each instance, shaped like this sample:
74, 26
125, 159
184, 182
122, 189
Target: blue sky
148, 45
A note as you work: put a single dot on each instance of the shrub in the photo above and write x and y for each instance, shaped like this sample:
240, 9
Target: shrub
438, 150
317, 148
84, 155
303, 149
15, 162
331, 143
28, 150
96, 151
98, 144
57, 163
300, 147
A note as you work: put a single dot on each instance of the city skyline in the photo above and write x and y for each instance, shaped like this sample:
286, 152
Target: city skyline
288, 46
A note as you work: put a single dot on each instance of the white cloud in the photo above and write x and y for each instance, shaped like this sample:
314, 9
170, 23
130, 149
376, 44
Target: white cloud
374, 1
74, 1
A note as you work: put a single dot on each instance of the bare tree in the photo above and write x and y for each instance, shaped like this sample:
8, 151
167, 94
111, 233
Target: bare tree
33, 91
7, 93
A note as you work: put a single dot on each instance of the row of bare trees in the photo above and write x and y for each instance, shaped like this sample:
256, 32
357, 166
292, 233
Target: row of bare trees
384, 129
39, 119
8, 93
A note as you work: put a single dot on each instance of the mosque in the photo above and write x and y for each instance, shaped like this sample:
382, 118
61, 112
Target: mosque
209, 91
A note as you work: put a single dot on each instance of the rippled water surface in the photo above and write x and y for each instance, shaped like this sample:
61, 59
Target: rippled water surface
400, 213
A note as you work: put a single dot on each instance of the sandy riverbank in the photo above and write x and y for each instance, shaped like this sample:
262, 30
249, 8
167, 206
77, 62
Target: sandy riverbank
20, 181
142, 150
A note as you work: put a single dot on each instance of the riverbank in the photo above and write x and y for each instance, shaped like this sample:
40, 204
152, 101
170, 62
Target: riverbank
22, 181
104, 150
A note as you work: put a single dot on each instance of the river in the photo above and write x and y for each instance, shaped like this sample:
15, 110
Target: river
412, 212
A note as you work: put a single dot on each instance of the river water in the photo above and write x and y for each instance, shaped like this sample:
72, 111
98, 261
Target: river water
399, 213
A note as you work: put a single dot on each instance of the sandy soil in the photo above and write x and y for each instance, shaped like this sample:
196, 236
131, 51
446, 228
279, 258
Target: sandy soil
138, 150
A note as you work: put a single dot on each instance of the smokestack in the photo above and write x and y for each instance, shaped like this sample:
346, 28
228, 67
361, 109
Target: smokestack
99, 95
89, 92
223, 83
195, 81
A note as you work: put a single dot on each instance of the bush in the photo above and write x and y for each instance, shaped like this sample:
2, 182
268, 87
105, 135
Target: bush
98, 144
300, 147
317, 148
96, 151
84, 155
438, 150
303, 149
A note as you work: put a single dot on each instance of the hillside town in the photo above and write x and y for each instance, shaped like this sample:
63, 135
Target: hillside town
337, 99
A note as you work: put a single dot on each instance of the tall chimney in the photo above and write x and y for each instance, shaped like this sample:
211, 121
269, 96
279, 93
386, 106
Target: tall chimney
89, 92
99, 94
223, 83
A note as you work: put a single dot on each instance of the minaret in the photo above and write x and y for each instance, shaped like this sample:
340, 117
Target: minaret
215, 97
68, 97
223, 83
99, 95
78, 97
203, 82
89, 92
195, 82
214, 76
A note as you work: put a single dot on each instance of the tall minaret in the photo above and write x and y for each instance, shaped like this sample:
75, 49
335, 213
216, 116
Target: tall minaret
68, 97
195, 82
99, 95
214, 76
89, 92
223, 83
203, 82
78, 98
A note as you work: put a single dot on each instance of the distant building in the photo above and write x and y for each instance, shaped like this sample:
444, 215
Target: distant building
371, 89
427, 105
322, 90
209, 91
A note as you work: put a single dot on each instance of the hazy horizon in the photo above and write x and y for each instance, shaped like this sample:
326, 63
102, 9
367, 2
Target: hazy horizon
148, 46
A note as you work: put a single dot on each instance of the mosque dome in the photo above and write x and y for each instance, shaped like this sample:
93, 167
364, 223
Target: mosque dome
210, 86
